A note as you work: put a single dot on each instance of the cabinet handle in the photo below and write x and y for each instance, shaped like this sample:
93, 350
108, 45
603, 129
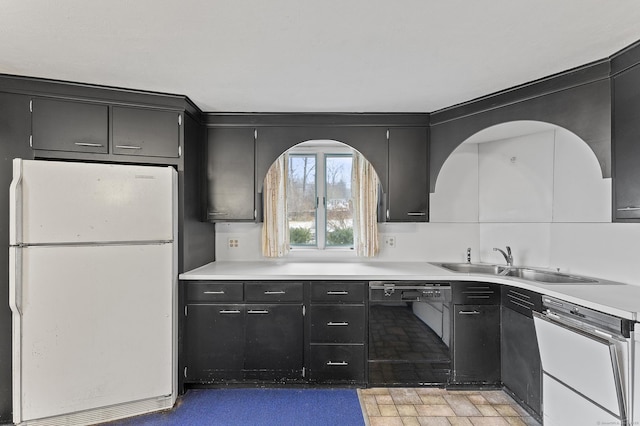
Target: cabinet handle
229, 311
214, 292
337, 293
128, 147
387, 214
262, 312
628, 209
93, 145
338, 363
218, 213
274, 292
469, 312
416, 214
337, 324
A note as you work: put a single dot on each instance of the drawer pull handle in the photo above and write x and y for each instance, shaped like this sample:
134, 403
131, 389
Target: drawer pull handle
229, 311
214, 292
416, 214
262, 312
128, 147
92, 145
628, 209
275, 292
337, 293
469, 312
337, 363
337, 324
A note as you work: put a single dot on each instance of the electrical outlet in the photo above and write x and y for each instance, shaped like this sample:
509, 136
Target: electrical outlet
390, 241
233, 243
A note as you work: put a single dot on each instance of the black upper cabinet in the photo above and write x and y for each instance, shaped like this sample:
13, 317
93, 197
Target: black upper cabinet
626, 145
231, 174
146, 132
69, 126
408, 197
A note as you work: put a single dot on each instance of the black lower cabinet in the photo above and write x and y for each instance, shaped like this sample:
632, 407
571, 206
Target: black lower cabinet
215, 339
476, 345
274, 342
337, 363
521, 366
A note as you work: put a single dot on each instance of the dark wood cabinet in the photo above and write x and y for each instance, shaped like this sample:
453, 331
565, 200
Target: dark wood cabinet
216, 341
69, 126
337, 330
231, 190
476, 344
230, 337
274, 336
145, 132
626, 145
408, 189
520, 355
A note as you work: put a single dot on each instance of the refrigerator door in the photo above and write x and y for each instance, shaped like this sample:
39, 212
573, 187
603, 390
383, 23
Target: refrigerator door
91, 333
75, 203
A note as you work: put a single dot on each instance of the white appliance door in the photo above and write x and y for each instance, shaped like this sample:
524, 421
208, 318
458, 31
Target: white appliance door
93, 327
62, 202
585, 363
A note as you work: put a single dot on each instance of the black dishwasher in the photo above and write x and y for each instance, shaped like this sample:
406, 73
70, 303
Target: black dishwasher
409, 333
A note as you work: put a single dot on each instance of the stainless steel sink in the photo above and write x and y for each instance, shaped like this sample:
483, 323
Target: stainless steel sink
473, 268
547, 277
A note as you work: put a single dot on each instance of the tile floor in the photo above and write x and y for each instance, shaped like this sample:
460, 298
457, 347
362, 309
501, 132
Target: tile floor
434, 406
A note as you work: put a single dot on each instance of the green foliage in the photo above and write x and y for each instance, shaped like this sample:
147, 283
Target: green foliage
340, 237
300, 236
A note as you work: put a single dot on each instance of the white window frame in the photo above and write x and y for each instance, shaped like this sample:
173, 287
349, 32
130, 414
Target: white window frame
321, 149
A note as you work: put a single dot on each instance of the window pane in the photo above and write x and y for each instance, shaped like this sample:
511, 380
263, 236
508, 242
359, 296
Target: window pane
339, 206
301, 199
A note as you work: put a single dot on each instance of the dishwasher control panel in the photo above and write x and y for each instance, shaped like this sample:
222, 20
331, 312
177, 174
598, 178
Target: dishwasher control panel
405, 291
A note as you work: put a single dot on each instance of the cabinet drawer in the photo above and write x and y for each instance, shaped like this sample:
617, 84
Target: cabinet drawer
521, 300
146, 132
337, 324
212, 291
70, 126
337, 363
337, 292
273, 292
476, 293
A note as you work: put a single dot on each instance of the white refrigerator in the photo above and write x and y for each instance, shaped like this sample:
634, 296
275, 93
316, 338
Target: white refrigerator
93, 281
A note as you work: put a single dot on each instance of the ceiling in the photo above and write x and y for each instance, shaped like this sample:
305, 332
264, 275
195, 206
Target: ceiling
311, 56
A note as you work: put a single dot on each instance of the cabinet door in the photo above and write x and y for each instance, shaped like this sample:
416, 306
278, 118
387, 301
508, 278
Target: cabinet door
476, 345
408, 197
146, 132
521, 369
69, 126
626, 145
274, 342
230, 174
214, 342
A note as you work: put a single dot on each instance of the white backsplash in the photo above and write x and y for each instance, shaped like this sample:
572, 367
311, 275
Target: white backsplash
550, 204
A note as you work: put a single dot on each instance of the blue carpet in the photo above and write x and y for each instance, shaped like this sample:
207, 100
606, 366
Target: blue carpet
259, 407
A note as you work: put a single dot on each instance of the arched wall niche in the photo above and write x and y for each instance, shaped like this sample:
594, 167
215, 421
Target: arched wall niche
522, 171
371, 142
583, 110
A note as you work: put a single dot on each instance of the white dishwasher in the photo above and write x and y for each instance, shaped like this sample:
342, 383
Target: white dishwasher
585, 358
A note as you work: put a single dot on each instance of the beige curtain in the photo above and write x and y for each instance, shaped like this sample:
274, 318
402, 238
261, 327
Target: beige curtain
275, 227
364, 190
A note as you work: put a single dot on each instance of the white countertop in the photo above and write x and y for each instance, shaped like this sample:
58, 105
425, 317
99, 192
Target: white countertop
618, 299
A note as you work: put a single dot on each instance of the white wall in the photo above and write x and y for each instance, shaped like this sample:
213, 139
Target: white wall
540, 193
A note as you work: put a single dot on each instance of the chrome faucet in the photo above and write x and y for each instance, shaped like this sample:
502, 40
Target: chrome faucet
507, 256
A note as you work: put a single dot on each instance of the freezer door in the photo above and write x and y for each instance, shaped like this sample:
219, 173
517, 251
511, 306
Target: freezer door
95, 326
63, 202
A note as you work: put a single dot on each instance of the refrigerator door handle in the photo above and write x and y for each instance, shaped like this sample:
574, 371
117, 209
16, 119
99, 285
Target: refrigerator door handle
15, 204
15, 280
